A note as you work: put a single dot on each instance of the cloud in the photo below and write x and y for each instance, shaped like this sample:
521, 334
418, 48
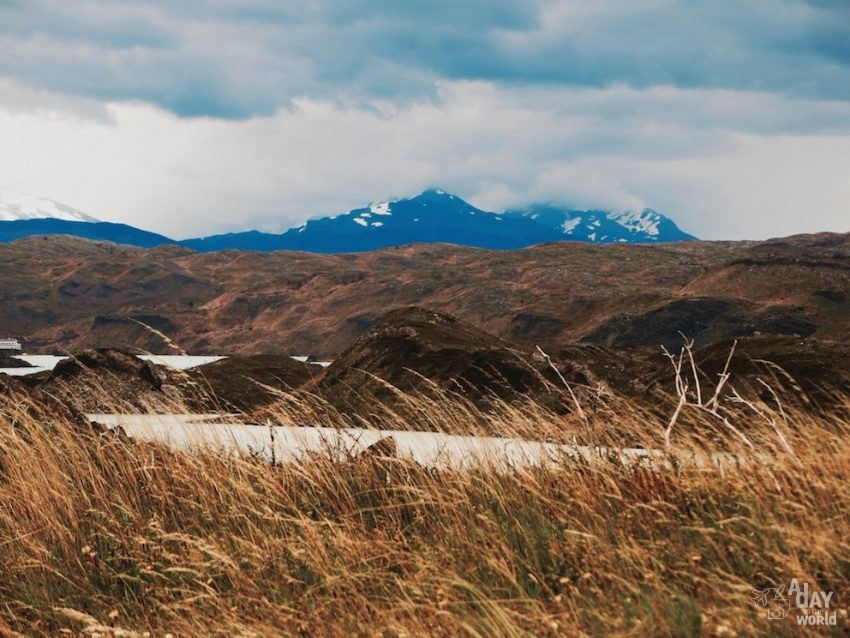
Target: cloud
240, 59
15, 98
209, 115
720, 163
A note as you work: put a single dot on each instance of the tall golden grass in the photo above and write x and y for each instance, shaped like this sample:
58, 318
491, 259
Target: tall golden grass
100, 535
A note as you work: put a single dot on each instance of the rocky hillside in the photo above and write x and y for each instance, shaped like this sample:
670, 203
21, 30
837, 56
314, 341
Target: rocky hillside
64, 293
411, 350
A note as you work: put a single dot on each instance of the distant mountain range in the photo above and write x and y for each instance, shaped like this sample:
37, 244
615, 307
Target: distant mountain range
429, 217
97, 231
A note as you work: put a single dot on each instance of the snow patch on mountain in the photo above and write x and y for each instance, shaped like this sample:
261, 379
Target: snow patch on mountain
645, 221
381, 208
568, 226
16, 206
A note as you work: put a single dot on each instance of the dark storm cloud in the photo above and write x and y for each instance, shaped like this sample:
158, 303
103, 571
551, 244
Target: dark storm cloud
237, 59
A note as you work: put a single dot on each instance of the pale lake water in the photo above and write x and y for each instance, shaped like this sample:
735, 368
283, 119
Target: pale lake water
45, 362
286, 443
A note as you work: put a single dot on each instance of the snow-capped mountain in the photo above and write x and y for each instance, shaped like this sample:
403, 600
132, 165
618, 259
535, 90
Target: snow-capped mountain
437, 216
429, 217
17, 206
23, 215
646, 226
432, 216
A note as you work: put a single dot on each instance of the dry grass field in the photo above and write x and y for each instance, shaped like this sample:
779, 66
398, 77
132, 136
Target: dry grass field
104, 536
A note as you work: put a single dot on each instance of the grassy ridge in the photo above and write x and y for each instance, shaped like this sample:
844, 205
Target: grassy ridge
103, 536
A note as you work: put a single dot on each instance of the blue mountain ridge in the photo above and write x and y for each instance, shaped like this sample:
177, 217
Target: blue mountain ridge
429, 217
97, 231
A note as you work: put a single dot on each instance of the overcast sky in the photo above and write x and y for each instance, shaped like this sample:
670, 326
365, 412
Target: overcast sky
200, 116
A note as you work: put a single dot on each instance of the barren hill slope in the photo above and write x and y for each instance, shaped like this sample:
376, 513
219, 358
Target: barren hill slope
410, 345
60, 292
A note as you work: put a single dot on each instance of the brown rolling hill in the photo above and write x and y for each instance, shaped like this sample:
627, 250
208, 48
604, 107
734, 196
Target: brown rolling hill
114, 380
243, 383
110, 380
412, 350
60, 293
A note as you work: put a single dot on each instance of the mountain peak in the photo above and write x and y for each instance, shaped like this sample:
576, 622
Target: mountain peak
17, 206
409, 205
434, 193
429, 194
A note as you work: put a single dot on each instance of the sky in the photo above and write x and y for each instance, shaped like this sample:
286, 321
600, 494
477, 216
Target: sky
203, 116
